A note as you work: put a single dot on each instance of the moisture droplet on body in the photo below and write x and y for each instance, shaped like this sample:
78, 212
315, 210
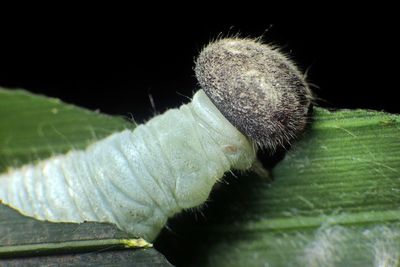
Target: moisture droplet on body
251, 95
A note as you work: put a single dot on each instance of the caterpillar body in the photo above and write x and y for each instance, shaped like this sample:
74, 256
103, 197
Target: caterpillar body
134, 179
252, 96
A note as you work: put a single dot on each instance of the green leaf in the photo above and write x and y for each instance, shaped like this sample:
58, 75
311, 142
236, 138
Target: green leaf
334, 200
32, 128
35, 127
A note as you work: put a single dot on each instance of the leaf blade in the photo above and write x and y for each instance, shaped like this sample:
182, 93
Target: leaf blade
34, 127
332, 196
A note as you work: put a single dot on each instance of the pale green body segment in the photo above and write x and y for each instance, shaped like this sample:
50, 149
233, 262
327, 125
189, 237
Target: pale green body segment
134, 179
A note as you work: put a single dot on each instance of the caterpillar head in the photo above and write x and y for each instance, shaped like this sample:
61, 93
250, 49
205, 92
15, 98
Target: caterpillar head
256, 88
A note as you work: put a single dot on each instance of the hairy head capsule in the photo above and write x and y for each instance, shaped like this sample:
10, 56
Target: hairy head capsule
257, 89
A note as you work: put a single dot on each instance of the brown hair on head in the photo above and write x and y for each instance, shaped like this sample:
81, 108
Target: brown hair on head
258, 89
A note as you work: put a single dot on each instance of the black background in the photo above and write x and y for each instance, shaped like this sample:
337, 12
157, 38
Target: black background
115, 67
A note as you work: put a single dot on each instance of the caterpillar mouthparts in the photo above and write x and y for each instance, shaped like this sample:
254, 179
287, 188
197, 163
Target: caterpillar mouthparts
138, 179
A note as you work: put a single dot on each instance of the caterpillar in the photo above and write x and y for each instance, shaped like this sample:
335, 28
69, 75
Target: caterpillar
251, 97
